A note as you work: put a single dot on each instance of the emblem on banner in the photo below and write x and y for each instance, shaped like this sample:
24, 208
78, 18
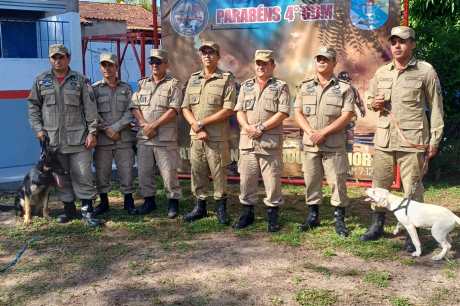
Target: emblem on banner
189, 17
369, 14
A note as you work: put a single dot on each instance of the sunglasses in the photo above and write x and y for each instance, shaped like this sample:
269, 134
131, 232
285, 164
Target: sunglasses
155, 61
208, 52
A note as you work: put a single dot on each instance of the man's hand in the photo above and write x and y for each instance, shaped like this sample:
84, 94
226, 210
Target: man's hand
41, 135
115, 136
317, 137
252, 131
195, 127
149, 130
202, 135
432, 151
379, 103
90, 141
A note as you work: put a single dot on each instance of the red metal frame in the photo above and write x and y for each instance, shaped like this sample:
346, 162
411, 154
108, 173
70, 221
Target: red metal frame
406, 13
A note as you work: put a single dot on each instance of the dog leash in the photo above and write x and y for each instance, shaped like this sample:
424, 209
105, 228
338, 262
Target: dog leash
18, 255
400, 206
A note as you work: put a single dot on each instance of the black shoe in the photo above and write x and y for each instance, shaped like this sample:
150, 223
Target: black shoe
103, 206
148, 206
312, 219
221, 212
340, 227
70, 213
128, 204
272, 214
198, 212
87, 213
408, 245
375, 231
173, 208
246, 218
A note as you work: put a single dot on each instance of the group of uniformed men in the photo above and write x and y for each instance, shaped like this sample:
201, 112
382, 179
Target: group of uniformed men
78, 117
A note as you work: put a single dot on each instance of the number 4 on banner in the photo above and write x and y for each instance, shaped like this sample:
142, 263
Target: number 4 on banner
289, 14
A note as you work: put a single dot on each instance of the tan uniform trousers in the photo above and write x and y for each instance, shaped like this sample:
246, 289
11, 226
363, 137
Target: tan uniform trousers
166, 158
124, 160
333, 165
251, 166
209, 158
410, 166
80, 179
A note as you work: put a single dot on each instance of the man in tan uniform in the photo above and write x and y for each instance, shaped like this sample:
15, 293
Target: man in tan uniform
263, 104
156, 106
208, 103
401, 92
62, 107
115, 139
324, 107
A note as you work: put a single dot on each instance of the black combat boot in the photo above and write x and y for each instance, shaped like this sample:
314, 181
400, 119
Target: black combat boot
312, 219
173, 208
148, 206
340, 227
375, 231
272, 214
198, 212
221, 212
70, 213
128, 204
246, 217
103, 206
87, 213
408, 244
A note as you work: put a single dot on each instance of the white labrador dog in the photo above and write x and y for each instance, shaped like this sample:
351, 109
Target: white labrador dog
415, 214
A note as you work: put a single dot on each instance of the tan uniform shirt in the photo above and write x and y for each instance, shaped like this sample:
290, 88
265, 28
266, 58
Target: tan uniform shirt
114, 112
409, 94
206, 97
322, 106
67, 112
153, 100
259, 105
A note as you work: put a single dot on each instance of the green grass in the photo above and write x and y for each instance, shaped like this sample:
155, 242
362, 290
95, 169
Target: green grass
450, 268
400, 301
316, 297
379, 279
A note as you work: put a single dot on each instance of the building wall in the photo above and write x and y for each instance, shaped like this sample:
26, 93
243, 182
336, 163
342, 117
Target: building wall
104, 27
60, 6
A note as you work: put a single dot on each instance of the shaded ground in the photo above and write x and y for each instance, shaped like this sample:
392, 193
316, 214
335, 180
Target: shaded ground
151, 260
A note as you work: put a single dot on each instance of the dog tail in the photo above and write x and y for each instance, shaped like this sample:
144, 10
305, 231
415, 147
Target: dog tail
457, 218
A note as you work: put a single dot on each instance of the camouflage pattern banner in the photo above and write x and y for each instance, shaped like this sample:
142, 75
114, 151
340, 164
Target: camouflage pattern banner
357, 29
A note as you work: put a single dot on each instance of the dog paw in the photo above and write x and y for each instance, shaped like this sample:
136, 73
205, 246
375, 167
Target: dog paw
416, 254
396, 232
437, 257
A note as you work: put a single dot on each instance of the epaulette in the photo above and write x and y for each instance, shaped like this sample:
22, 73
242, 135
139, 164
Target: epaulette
97, 83
248, 83
344, 81
140, 81
197, 72
426, 64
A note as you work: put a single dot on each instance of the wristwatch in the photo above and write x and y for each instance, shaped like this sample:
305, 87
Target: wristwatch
200, 125
261, 127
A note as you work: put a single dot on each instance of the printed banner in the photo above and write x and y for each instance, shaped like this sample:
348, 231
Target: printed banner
357, 29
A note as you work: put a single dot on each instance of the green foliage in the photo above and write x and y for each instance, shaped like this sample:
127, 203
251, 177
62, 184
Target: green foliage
400, 301
437, 27
380, 279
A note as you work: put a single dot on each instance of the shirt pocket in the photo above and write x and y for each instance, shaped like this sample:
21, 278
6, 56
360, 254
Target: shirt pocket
194, 94
270, 102
75, 135
143, 97
162, 100
122, 102
248, 102
411, 89
214, 96
412, 131
309, 104
382, 133
72, 99
384, 87
49, 109
103, 104
333, 106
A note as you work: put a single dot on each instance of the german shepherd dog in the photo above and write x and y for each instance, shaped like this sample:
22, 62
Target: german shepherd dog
32, 196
